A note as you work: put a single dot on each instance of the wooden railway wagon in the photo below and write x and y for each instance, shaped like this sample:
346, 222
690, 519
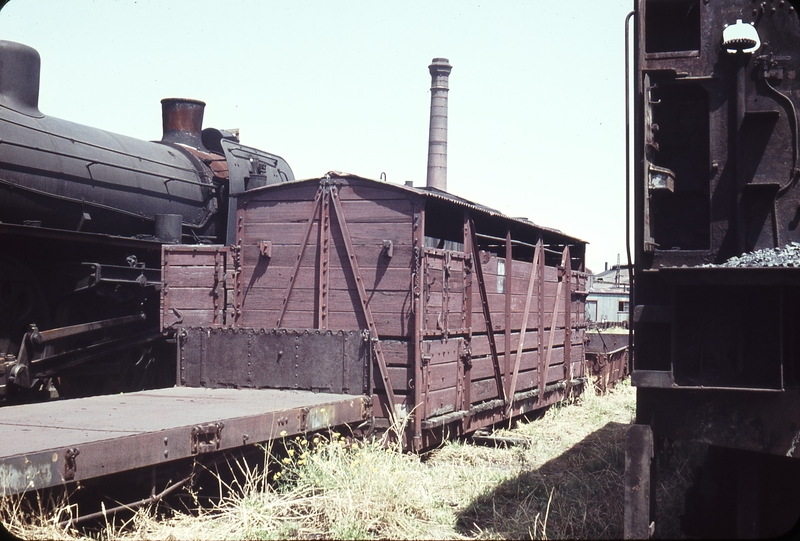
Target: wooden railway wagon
449, 315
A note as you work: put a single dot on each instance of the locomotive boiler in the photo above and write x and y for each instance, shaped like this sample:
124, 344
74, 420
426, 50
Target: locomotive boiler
83, 215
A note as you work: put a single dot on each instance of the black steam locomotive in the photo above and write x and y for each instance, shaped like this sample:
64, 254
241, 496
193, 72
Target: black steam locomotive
716, 348
83, 215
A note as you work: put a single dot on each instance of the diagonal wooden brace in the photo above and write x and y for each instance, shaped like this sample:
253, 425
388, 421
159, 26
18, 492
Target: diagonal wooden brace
306, 235
487, 313
362, 295
524, 329
552, 333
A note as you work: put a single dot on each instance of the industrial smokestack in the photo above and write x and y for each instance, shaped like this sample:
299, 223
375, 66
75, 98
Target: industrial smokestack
437, 136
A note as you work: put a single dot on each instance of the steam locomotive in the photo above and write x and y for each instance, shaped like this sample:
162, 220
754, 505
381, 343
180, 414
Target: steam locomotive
83, 216
716, 353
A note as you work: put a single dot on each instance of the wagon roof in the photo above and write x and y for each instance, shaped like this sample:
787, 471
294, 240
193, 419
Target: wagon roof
433, 193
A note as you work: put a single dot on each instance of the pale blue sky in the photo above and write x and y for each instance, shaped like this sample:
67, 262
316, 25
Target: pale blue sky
536, 93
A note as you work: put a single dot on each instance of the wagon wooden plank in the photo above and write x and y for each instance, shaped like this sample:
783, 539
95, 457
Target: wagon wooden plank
192, 259
305, 299
398, 352
189, 317
377, 210
484, 389
367, 233
356, 190
443, 375
281, 192
440, 401
269, 212
369, 255
194, 276
283, 233
190, 298
270, 277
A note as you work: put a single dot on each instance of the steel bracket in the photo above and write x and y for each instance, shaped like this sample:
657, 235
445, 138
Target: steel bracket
70, 465
206, 438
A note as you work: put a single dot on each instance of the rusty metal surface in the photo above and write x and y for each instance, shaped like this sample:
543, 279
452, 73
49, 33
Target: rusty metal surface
182, 121
312, 360
607, 368
89, 437
722, 124
740, 419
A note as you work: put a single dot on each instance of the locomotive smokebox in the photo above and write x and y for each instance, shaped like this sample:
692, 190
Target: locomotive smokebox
19, 78
183, 121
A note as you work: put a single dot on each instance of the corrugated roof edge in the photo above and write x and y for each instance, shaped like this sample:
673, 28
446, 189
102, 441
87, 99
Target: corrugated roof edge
434, 194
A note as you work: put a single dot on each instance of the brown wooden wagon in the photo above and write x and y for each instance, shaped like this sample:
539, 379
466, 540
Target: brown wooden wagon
414, 297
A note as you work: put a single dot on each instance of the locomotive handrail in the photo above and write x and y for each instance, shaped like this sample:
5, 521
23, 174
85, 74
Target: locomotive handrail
628, 181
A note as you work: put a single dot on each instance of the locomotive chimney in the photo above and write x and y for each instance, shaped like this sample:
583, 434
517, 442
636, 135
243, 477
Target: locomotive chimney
19, 78
182, 120
437, 136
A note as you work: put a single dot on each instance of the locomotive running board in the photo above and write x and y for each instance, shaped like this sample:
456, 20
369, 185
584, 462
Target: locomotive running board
53, 443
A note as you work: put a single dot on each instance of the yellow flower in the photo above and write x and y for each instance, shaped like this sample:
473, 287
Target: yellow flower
304, 442
287, 461
283, 433
277, 475
301, 474
290, 452
316, 441
301, 462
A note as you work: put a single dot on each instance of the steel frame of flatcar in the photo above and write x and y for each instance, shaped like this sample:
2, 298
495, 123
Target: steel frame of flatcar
53, 443
681, 309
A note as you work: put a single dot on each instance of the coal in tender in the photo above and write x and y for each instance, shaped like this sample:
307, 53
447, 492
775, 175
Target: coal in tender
788, 256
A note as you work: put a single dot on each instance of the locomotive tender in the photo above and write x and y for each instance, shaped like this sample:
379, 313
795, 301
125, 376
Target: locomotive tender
716, 353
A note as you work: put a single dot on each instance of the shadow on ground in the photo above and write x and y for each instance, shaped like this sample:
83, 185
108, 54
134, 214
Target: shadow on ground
577, 495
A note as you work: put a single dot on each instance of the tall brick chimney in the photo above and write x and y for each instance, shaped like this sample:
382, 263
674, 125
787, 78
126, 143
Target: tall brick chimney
437, 136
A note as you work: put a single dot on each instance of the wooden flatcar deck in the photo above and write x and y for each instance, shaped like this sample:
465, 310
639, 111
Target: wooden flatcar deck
51, 443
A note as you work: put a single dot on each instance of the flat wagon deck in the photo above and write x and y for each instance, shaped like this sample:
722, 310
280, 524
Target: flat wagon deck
52, 443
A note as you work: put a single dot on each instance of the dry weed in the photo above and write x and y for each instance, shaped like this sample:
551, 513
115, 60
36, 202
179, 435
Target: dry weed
566, 484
